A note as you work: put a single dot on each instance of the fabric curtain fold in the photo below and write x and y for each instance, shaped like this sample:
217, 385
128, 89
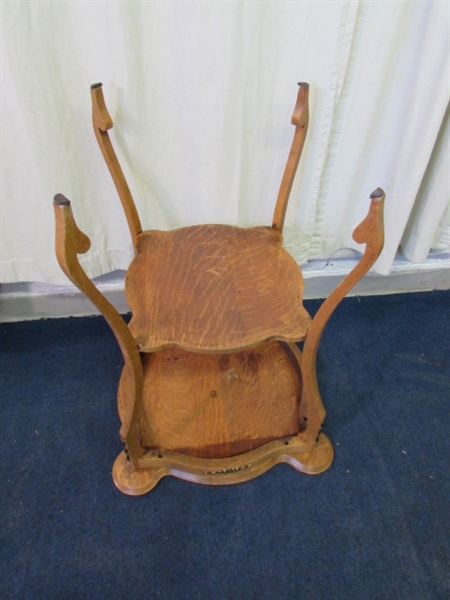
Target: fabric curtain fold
201, 96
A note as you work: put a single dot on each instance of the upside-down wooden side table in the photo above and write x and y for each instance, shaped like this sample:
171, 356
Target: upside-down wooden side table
214, 389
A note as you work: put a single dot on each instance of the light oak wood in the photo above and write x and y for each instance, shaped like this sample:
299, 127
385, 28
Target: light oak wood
209, 406
102, 122
70, 242
370, 232
214, 390
226, 471
300, 118
231, 289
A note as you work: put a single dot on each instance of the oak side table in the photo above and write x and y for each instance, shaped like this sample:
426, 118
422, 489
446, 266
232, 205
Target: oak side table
214, 389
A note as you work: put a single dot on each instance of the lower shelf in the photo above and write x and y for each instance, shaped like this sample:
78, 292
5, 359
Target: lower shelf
217, 405
219, 419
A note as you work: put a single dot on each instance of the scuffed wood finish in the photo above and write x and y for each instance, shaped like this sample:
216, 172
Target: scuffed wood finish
370, 232
300, 119
214, 288
216, 406
70, 242
102, 122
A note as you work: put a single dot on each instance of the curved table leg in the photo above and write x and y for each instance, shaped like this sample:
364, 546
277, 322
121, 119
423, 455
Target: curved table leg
102, 121
300, 119
371, 232
70, 242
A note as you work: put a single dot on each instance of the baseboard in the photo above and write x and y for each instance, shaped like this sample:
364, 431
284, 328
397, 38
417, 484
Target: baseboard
321, 277
30, 301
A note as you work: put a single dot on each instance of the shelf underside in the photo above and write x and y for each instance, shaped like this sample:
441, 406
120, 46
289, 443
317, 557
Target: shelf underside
214, 288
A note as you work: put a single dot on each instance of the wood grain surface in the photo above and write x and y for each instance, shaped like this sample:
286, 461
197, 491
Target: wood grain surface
214, 288
214, 406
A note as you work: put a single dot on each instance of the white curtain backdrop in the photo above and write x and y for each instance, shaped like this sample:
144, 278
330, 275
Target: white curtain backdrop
201, 94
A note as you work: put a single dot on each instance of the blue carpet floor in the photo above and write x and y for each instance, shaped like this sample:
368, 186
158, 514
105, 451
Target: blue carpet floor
376, 525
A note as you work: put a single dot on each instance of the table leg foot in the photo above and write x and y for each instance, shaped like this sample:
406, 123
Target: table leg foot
315, 462
135, 482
